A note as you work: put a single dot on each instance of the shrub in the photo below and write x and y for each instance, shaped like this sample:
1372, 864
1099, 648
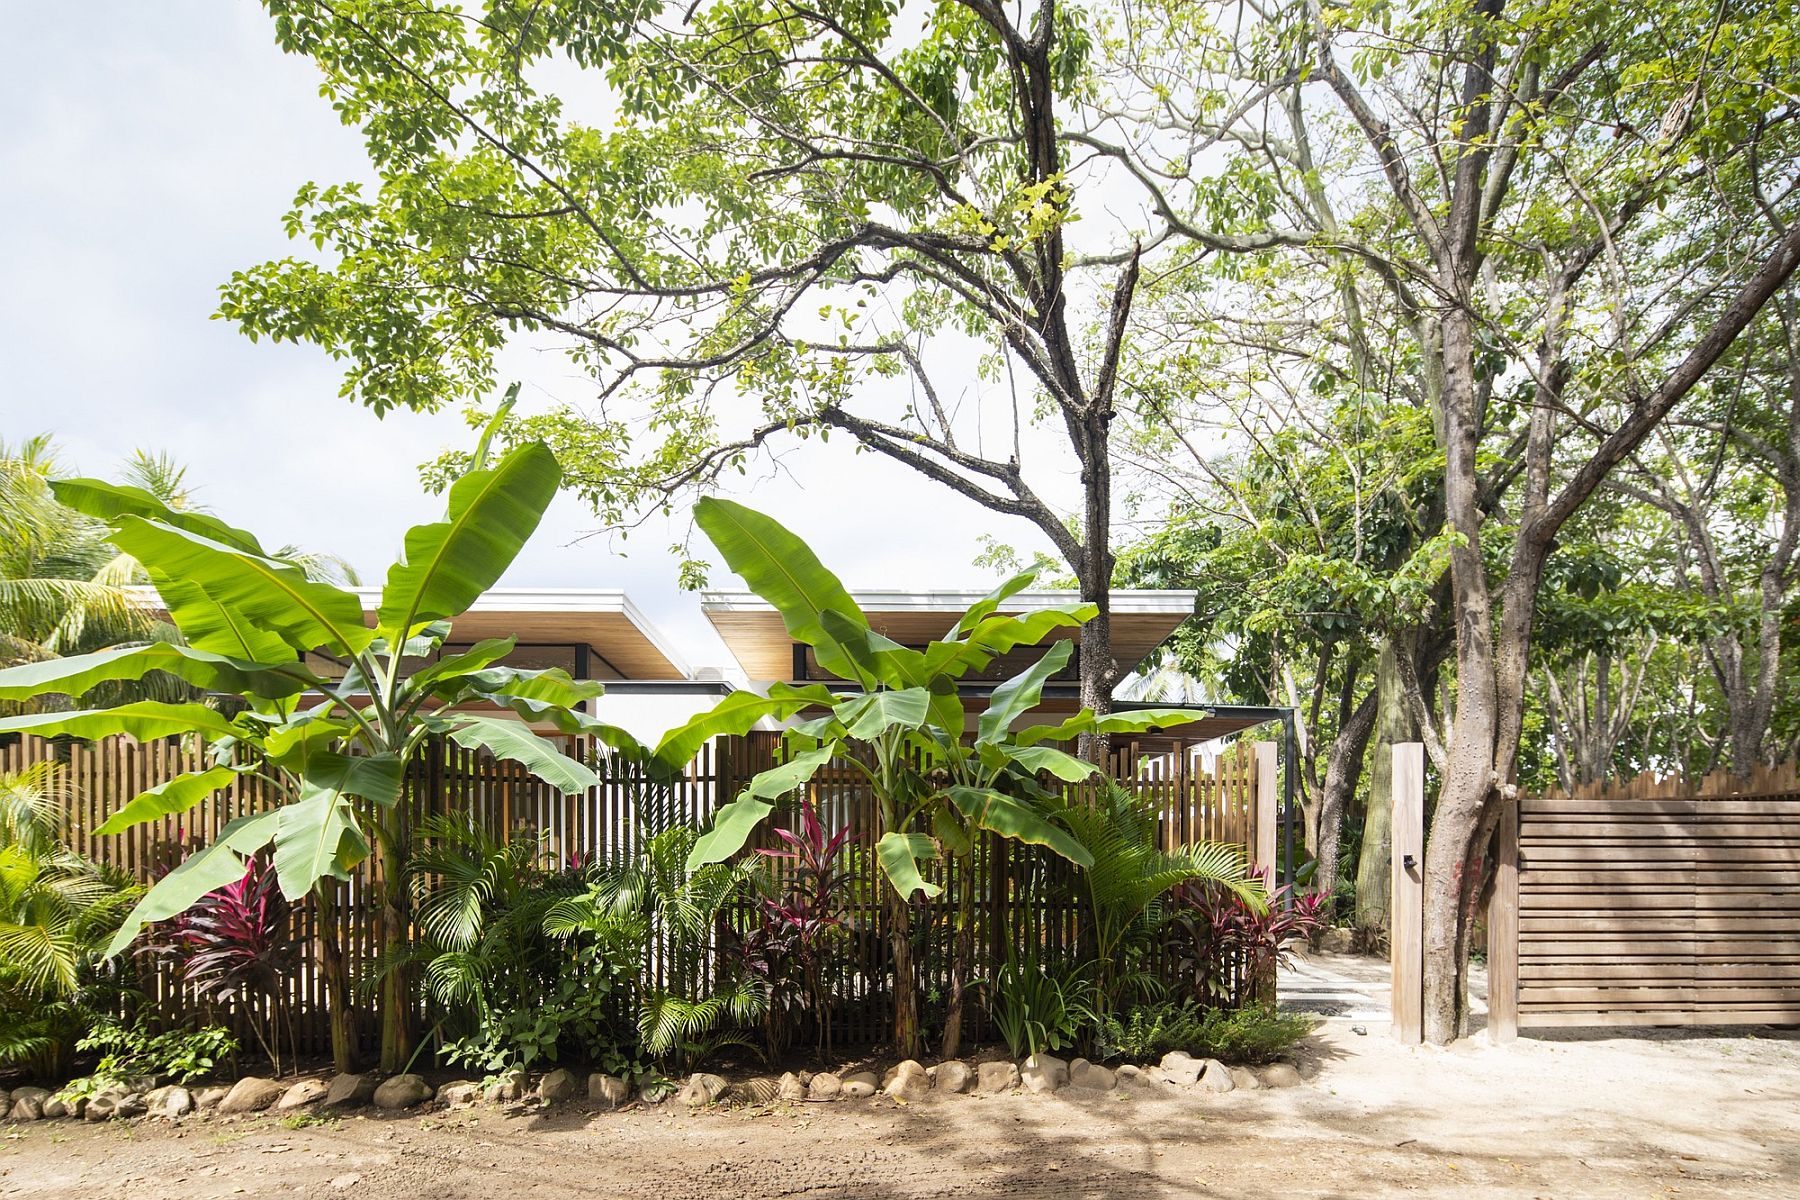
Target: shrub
236, 943
1257, 1034
1225, 947
510, 990
57, 913
1147, 1032
791, 942
131, 1051
1032, 1008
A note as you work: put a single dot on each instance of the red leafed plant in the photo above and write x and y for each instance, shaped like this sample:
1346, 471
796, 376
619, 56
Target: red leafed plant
236, 944
1226, 947
789, 944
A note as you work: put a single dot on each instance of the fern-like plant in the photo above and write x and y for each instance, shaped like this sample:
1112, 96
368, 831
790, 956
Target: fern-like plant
1122, 892
57, 912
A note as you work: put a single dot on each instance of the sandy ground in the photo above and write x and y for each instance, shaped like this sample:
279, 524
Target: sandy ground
1712, 1113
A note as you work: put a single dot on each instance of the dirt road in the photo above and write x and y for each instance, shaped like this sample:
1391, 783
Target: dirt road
1646, 1116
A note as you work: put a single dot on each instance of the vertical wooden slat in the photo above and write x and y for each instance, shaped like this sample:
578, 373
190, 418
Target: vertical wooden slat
1407, 932
1503, 929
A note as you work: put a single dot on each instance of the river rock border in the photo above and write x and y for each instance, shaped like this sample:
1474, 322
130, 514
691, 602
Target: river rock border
908, 1082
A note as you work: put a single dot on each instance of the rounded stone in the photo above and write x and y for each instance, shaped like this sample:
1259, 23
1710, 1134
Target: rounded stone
250, 1094
402, 1091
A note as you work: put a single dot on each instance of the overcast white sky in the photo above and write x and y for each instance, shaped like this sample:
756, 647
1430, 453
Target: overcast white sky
147, 151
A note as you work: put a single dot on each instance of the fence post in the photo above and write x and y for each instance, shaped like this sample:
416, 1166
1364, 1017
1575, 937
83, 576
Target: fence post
1503, 929
1266, 806
1406, 931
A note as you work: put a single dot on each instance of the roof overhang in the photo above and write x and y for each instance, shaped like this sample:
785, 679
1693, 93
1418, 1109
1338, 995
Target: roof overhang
754, 633
603, 619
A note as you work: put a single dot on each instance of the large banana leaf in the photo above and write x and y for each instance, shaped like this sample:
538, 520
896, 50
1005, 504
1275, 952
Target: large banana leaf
316, 836
144, 720
736, 821
450, 563
209, 625
446, 670
176, 796
375, 777
263, 592
75, 675
551, 688
781, 569
1085, 721
868, 717
513, 741
110, 501
1045, 758
1013, 818
1020, 694
736, 714
986, 606
998, 635
899, 855
203, 871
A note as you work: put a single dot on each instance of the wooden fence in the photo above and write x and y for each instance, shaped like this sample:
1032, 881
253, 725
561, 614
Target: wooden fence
1023, 896
1652, 902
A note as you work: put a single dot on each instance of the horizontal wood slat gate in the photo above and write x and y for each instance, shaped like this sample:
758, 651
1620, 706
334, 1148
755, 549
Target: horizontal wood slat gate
1021, 895
1642, 907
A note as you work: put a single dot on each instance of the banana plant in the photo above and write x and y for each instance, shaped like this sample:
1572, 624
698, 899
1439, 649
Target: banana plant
337, 747
900, 721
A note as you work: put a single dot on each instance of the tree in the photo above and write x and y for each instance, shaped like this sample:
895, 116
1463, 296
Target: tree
801, 219
1542, 232
249, 620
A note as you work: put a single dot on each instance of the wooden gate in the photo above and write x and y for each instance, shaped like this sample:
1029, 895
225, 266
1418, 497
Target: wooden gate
1648, 904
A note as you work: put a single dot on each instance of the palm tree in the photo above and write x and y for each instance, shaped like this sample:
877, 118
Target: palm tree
63, 589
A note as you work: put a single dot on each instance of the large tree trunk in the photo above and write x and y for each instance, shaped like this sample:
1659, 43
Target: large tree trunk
1393, 724
1343, 771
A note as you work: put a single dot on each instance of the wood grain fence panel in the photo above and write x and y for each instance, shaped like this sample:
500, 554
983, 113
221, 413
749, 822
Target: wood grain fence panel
1647, 903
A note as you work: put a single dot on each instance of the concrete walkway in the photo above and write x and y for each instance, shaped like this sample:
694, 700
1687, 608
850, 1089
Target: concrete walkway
1356, 989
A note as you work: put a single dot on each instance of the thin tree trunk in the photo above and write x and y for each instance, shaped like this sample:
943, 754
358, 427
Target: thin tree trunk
1343, 771
960, 959
906, 988
1393, 723
335, 969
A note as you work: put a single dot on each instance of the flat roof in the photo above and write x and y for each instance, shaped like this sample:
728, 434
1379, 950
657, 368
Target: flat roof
754, 633
605, 619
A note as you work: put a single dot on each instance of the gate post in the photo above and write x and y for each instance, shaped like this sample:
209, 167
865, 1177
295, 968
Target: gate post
1406, 930
1503, 929
1265, 806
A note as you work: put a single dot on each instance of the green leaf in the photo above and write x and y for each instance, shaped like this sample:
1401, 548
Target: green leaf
374, 777
203, 871
513, 741
75, 675
868, 717
1045, 758
1121, 722
985, 606
145, 720
1020, 694
176, 796
998, 635
780, 568
110, 501
899, 855
209, 625
450, 563
735, 714
731, 828
309, 839
446, 670
261, 592
735, 822
1012, 818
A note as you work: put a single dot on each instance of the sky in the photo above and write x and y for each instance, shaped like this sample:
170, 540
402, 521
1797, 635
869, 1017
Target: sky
149, 150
